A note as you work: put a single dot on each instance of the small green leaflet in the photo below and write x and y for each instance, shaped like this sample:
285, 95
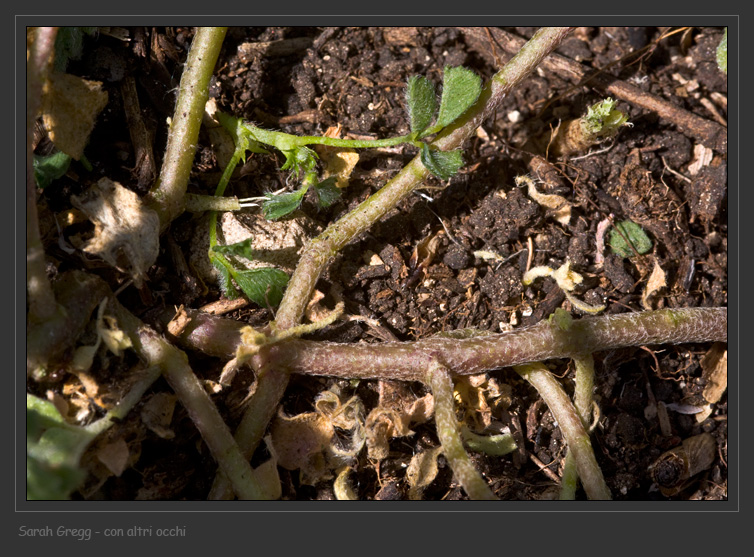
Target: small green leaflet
240, 249
327, 192
460, 89
226, 284
277, 206
49, 168
421, 101
442, 164
262, 286
634, 233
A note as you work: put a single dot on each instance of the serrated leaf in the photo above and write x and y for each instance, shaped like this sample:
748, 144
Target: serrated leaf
262, 286
51, 167
421, 101
277, 206
442, 164
327, 192
460, 89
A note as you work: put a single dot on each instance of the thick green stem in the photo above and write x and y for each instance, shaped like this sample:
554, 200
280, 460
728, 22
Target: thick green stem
570, 424
167, 195
441, 383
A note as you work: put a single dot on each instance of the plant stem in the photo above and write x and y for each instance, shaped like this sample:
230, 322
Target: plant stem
174, 366
338, 234
254, 423
441, 383
407, 361
167, 195
42, 304
570, 424
582, 398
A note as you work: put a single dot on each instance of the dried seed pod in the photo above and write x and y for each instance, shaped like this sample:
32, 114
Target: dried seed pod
675, 467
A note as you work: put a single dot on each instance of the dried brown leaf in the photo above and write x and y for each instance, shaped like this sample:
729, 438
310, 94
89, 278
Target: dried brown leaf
70, 108
126, 233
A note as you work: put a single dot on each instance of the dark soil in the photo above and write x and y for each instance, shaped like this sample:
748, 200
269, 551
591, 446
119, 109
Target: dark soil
353, 77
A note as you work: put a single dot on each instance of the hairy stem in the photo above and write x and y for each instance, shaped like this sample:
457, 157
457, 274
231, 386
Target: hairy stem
440, 381
407, 361
167, 195
570, 424
253, 425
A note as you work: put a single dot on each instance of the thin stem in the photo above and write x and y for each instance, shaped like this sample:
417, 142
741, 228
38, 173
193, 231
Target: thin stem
582, 398
570, 424
441, 383
167, 195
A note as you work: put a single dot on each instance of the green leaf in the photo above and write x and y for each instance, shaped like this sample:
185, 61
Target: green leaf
442, 164
49, 168
277, 206
53, 451
327, 192
262, 286
634, 234
421, 101
460, 89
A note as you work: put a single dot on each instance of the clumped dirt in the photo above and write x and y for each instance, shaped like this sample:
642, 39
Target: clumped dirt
304, 80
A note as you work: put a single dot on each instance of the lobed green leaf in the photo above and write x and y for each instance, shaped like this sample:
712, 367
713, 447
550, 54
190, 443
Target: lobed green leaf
278, 206
460, 89
327, 192
262, 286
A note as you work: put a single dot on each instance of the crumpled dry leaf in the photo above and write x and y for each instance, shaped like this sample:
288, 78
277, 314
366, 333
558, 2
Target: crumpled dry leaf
654, 283
421, 471
127, 234
308, 442
397, 408
337, 161
475, 394
157, 413
558, 206
715, 374
115, 456
70, 108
